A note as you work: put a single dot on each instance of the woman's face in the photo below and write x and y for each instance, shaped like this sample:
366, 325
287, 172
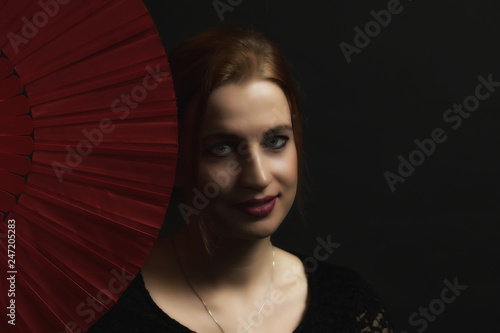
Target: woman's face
248, 159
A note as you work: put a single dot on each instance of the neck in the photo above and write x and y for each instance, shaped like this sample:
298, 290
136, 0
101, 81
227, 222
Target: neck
231, 262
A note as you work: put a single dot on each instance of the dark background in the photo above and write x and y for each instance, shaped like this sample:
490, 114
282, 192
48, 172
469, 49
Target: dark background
443, 222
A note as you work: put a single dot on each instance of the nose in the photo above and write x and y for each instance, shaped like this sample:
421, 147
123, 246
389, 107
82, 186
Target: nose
255, 171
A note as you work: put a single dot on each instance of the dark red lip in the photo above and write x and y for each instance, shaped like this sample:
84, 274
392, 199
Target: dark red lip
258, 207
256, 201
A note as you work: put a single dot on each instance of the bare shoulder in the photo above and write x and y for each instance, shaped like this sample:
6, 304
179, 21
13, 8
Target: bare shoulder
164, 282
290, 293
290, 274
287, 255
288, 260
160, 271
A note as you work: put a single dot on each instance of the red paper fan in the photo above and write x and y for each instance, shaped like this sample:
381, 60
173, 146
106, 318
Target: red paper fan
88, 146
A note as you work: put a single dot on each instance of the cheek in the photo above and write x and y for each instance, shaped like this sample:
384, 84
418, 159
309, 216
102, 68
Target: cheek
219, 174
286, 169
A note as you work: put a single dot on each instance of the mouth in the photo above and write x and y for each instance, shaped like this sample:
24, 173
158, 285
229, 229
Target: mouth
258, 207
257, 202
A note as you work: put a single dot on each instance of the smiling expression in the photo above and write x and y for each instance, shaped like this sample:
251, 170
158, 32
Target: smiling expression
248, 159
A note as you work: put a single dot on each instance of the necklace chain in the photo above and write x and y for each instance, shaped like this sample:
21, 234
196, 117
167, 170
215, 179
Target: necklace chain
205, 305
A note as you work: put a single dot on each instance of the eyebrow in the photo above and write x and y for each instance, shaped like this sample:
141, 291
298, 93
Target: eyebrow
231, 136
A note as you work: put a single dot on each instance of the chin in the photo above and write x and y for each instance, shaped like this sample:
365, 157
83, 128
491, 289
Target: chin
236, 224
259, 231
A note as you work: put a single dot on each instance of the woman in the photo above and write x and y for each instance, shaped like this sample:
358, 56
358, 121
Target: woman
239, 172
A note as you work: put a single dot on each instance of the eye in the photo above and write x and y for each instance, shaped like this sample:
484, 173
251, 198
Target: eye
220, 149
276, 142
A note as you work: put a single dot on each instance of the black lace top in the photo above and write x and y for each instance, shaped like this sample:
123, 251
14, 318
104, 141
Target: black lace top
340, 302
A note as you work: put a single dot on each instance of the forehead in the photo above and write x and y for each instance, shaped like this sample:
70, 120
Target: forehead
246, 108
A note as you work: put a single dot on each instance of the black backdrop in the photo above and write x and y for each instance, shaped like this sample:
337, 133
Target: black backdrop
442, 222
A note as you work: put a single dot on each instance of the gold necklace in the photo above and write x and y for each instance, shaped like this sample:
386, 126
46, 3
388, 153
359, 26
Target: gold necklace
205, 305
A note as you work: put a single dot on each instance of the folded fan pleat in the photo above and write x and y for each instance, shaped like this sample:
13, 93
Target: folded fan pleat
18, 145
15, 164
15, 106
16, 127
6, 68
11, 183
7, 201
10, 87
